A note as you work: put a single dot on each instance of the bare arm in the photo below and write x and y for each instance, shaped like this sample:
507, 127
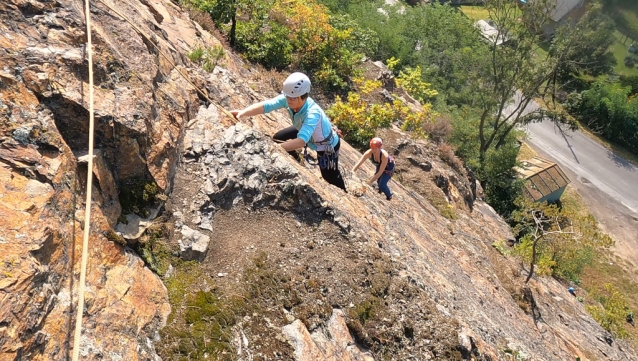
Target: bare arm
363, 158
293, 144
384, 163
249, 111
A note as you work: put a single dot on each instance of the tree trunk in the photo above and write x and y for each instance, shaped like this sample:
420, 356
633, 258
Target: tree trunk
233, 26
533, 262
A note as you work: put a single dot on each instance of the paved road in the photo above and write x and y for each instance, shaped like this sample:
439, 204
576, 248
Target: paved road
605, 180
591, 162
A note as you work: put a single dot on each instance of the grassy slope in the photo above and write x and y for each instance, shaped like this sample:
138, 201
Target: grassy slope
475, 12
629, 10
620, 51
605, 269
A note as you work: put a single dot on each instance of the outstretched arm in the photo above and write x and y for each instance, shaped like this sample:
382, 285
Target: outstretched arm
254, 109
363, 158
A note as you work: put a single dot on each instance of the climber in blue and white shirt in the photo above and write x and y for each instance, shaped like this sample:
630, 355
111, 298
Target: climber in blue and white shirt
310, 126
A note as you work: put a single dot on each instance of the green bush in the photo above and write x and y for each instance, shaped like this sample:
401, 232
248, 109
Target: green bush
610, 109
299, 34
270, 48
208, 58
359, 119
196, 54
412, 81
613, 312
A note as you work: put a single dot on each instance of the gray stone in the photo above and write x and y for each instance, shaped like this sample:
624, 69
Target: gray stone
193, 245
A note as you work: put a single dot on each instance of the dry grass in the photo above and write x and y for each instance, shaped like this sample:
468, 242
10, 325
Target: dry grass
205, 21
446, 152
525, 152
267, 80
606, 268
439, 131
572, 200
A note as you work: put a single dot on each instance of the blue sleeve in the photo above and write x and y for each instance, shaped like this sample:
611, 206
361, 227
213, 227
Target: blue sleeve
275, 103
309, 125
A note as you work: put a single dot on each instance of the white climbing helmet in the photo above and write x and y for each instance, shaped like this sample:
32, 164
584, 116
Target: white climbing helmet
296, 84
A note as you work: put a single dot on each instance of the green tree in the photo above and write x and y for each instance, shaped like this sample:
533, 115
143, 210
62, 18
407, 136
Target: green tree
608, 108
630, 81
590, 52
497, 176
556, 241
519, 71
438, 39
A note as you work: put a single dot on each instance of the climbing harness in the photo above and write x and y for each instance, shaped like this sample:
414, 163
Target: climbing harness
390, 165
389, 168
329, 158
327, 161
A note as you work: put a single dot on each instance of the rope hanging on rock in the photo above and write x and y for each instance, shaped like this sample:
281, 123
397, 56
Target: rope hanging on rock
89, 181
89, 186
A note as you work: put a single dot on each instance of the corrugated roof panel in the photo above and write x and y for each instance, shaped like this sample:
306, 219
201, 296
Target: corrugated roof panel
558, 176
542, 177
543, 187
546, 175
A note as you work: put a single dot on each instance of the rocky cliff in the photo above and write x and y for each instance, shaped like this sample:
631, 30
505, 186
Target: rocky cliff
288, 266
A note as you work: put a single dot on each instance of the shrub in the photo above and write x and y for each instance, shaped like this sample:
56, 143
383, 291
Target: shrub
359, 120
300, 34
196, 54
412, 81
207, 58
439, 130
212, 57
612, 315
267, 45
203, 19
630, 81
446, 152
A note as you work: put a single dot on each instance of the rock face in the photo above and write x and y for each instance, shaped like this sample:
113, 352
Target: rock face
148, 116
451, 259
318, 346
141, 108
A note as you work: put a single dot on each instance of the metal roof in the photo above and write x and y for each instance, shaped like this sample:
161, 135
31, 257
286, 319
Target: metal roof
542, 177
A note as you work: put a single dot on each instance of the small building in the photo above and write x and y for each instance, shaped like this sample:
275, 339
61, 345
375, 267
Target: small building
490, 32
562, 11
544, 180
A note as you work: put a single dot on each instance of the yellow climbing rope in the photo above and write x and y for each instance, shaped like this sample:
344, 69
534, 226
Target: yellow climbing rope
89, 181
89, 186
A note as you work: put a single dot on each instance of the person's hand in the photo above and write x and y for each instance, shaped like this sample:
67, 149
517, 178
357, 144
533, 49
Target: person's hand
236, 113
370, 181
